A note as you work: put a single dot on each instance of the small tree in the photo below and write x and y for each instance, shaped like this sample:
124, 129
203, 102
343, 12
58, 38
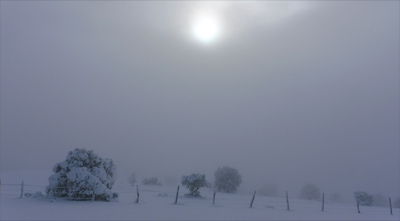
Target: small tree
310, 192
151, 181
132, 179
268, 190
194, 182
363, 198
227, 179
83, 176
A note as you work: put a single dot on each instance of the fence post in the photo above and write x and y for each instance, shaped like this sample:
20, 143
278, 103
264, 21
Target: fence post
177, 192
22, 189
137, 192
323, 201
252, 200
214, 198
358, 206
390, 203
287, 201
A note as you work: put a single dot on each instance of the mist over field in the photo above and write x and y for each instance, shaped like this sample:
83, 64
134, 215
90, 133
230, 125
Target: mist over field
289, 93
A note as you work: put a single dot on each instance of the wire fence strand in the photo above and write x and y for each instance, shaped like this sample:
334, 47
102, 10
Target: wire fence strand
14, 190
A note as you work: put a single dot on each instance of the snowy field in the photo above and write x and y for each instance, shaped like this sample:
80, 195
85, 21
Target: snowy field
156, 203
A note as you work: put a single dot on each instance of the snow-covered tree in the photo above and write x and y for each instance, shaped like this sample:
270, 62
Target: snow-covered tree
194, 182
363, 198
310, 192
83, 176
227, 179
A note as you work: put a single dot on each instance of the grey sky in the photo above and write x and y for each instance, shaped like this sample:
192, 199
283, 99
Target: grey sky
291, 92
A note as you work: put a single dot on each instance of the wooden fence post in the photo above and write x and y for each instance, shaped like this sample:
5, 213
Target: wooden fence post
177, 192
137, 193
390, 203
252, 200
214, 198
323, 201
22, 189
287, 201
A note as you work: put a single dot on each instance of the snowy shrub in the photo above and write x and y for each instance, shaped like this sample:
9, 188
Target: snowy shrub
227, 179
38, 195
27, 195
194, 182
132, 179
83, 176
151, 181
268, 190
396, 203
363, 198
310, 192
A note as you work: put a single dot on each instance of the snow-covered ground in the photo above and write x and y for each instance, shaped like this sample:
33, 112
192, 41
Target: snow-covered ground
156, 203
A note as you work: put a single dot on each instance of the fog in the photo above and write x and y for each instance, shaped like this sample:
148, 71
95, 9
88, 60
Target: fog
290, 93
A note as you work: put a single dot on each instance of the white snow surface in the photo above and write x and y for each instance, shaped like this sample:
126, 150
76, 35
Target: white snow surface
156, 203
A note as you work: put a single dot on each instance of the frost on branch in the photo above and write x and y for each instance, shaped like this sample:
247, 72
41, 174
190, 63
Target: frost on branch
83, 176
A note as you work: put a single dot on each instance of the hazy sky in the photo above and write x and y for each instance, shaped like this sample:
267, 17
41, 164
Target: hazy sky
289, 92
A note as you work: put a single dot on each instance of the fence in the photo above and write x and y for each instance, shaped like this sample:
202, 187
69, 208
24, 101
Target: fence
236, 200
13, 190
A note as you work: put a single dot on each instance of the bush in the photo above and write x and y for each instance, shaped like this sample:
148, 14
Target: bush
83, 176
152, 181
268, 190
310, 192
227, 179
194, 182
132, 179
363, 198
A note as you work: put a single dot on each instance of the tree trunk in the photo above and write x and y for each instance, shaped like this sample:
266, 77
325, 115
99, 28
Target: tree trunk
195, 190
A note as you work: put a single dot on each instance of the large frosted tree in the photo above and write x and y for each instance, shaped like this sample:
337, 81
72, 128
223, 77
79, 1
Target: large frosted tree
227, 179
83, 175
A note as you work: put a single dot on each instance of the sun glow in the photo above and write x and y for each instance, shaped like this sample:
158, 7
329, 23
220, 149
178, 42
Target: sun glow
206, 29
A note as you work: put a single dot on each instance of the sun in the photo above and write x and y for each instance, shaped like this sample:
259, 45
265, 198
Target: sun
206, 29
